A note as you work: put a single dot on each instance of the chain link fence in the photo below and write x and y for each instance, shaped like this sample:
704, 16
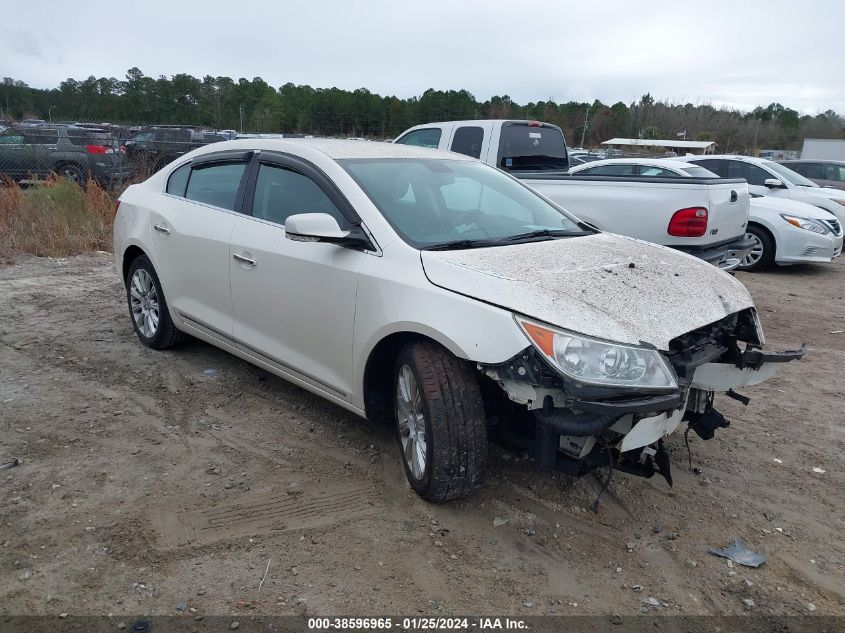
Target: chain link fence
113, 156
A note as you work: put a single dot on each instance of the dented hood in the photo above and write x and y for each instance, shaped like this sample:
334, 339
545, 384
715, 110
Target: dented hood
606, 286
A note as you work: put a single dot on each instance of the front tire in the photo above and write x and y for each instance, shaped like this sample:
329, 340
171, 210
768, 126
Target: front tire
763, 254
440, 423
148, 307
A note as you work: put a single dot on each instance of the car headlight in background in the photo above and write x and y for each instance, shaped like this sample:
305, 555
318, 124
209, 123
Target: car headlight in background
596, 362
806, 223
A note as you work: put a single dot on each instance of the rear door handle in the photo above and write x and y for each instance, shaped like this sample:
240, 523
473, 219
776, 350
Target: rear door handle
161, 229
244, 259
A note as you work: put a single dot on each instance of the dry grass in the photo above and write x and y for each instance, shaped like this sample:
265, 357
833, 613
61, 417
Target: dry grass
55, 218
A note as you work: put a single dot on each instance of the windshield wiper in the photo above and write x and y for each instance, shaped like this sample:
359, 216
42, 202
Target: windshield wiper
543, 233
457, 245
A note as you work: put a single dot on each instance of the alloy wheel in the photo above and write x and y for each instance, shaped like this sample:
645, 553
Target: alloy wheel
756, 252
411, 420
143, 299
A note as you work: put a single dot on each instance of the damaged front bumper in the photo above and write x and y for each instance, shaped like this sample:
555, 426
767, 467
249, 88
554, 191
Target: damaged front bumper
577, 428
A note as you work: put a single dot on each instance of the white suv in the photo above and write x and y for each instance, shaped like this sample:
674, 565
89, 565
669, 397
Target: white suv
434, 290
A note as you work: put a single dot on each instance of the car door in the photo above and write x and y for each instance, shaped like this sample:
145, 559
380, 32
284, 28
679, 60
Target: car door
755, 176
191, 228
294, 302
13, 159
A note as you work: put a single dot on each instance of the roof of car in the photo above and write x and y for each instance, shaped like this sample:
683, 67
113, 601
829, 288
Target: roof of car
749, 159
337, 149
812, 160
668, 163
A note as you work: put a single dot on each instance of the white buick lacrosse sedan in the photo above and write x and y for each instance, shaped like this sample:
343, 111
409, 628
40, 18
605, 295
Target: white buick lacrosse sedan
432, 290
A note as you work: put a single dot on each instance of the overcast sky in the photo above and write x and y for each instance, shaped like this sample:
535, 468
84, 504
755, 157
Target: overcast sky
739, 53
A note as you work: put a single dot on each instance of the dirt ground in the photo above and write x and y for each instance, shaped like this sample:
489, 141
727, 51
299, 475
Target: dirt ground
158, 482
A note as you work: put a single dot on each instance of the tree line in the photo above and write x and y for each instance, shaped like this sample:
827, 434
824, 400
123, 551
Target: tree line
255, 106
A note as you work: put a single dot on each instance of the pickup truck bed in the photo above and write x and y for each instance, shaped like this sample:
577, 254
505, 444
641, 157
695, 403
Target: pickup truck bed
641, 207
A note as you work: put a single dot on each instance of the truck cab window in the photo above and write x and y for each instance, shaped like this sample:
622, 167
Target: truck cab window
467, 140
428, 137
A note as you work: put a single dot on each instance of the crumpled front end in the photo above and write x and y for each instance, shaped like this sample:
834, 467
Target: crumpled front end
577, 427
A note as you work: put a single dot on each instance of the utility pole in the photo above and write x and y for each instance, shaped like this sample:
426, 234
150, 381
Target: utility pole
241, 110
756, 130
584, 131
50, 113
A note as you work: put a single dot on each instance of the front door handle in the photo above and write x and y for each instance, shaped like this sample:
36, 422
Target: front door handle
244, 259
161, 229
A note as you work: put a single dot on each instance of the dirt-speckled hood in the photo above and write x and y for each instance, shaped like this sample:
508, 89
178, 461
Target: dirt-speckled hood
604, 285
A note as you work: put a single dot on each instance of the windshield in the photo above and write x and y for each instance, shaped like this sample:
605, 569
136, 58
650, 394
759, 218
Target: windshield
788, 175
463, 204
527, 147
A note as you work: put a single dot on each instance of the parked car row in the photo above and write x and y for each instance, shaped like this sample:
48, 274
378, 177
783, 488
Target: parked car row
784, 231
703, 216
108, 154
457, 299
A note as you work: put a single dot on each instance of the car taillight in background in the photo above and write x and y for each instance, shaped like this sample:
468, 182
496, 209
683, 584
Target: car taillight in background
116, 207
99, 149
691, 222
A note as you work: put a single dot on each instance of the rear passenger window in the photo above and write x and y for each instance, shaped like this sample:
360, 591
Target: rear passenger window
713, 165
41, 137
429, 137
812, 170
657, 172
835, 172
281, 193
611, 170
752, 174
178, 180
216, 184
468, 140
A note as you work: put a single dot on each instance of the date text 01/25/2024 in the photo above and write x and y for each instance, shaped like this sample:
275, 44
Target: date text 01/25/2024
415, 624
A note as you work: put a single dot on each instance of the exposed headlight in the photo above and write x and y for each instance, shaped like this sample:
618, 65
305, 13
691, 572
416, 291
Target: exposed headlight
596, 362
806, 223
758, 326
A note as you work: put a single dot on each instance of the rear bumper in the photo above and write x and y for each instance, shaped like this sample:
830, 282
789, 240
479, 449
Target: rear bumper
726, 255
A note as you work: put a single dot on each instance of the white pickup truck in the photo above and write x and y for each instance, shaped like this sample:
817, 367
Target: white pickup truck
702, 216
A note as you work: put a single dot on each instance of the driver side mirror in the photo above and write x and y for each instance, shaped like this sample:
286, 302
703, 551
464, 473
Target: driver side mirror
774, 183
322, 227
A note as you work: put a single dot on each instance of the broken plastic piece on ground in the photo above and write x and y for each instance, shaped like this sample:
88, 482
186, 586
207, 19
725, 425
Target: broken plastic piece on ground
816, 469
210, 371
10, 464
740, 553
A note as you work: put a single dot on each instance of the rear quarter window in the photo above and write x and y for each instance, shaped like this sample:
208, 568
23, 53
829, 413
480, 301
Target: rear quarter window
178, 180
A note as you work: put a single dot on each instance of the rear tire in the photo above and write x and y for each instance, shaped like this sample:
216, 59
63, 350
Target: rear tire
147, 306
440, 423
71, 172
763, 254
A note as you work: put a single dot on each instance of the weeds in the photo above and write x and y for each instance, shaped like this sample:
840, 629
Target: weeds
55, 218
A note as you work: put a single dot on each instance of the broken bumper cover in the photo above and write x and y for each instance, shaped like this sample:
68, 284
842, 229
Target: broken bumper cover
578, 433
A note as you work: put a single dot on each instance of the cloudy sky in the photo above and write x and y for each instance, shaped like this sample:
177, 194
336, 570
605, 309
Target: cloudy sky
738, 53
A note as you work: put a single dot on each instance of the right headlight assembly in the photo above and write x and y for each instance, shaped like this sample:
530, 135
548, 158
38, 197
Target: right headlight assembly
806, 223
597, 362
